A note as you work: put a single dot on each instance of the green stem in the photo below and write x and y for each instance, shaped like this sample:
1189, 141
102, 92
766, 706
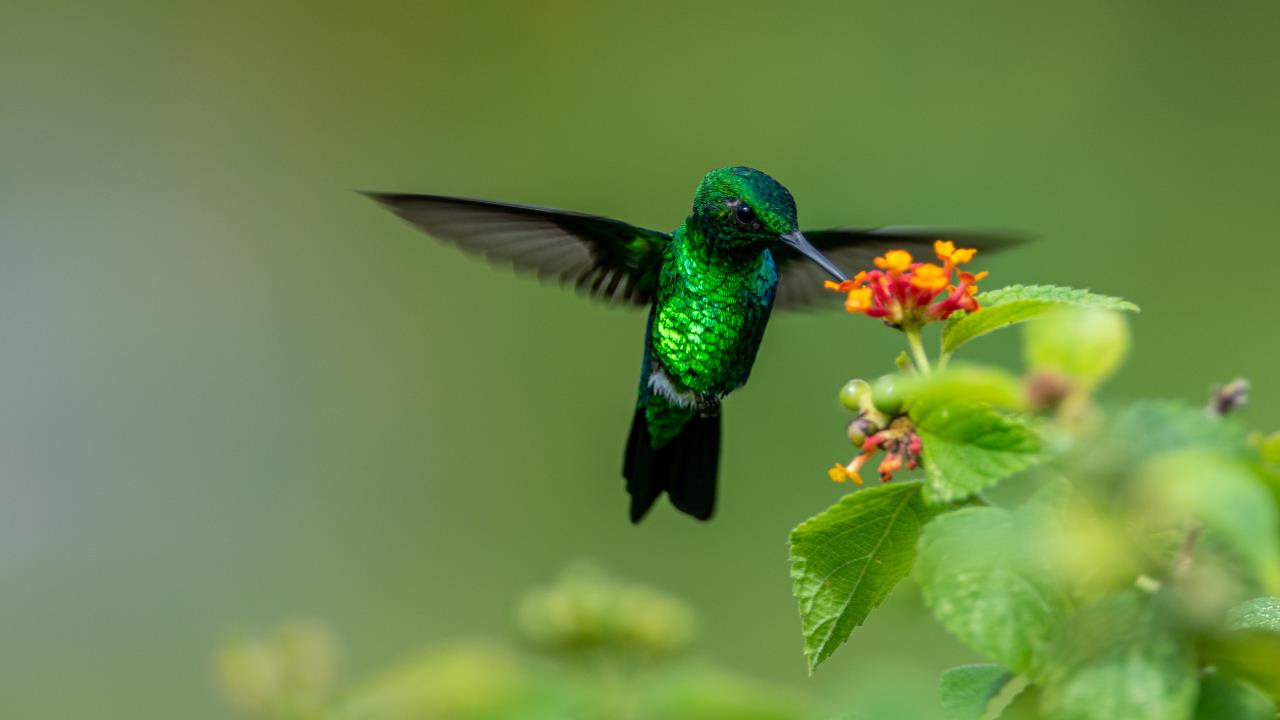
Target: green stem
916, 342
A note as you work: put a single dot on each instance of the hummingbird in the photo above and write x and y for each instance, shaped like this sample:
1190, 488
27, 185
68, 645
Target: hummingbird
709, 287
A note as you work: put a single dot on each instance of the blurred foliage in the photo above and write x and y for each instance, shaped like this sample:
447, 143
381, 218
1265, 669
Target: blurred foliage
233, 390
287, 674
597, 648
1133, 575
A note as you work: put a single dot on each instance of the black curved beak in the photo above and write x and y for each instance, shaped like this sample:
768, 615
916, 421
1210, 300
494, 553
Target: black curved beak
796, 240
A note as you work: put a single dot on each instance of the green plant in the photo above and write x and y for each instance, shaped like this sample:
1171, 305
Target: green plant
593, 647
1130, 568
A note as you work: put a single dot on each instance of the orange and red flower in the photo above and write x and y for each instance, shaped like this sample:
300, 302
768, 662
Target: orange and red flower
903, 292
899, 443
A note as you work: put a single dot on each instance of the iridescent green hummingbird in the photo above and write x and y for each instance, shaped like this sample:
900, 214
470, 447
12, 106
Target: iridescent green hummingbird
709, 285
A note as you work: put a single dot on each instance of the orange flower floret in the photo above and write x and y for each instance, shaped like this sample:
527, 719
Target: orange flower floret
906, 293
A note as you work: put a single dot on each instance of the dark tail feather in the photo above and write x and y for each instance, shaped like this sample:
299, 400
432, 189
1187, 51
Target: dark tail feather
685, 467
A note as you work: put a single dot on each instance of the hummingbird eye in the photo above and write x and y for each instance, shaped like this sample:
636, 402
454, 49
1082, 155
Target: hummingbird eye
745, 216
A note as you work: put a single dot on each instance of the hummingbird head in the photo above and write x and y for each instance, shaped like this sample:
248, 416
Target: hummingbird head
743, 209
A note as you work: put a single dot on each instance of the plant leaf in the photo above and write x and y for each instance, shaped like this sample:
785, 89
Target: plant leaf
968, 689
1251, 647
1018, 303
1257, 614
969, 446
1225, 698
986, 585
1252, 655
1115, 661
1024, 706
1224, 495
966, 383
1151, 427
846, 559
686, 691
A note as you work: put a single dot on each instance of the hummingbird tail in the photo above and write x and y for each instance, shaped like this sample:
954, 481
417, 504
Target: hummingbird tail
685, 466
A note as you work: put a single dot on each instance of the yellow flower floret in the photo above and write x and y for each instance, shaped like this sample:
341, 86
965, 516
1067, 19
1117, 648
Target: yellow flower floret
930, 277
895, 261
948, 253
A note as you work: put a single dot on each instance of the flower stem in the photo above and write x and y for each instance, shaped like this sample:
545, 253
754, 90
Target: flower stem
917, 349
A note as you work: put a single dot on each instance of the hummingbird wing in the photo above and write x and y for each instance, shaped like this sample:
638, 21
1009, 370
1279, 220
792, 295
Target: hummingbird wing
852, 249
608, 260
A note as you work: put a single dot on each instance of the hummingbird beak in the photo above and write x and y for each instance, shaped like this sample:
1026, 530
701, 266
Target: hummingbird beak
796, 240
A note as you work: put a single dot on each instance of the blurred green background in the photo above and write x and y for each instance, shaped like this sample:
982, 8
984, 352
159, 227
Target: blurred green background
232, 390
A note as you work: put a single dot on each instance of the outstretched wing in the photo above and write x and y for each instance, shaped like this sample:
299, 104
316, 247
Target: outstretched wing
606, 259
852, 249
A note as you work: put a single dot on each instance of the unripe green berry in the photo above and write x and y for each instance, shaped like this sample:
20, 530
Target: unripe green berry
852, 393
887, 394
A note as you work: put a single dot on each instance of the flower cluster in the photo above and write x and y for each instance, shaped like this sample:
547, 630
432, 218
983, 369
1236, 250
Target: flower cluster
898, 441
905, 293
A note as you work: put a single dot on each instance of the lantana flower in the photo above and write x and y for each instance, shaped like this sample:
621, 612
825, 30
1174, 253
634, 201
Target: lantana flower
899, 443
909, 294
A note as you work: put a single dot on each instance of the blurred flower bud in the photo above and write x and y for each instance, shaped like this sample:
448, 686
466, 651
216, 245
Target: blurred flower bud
1083, 345
291, 672
586, 610
249, 674
1046, 390
308, 656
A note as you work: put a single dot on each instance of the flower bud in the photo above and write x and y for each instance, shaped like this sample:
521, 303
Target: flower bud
856, 434
1083, 345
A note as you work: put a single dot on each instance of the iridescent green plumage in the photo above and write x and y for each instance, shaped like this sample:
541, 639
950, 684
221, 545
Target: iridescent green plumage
710, 286
714, 297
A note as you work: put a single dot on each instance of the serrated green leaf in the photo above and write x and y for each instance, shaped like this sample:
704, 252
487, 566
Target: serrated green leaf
969, 446
1225, 698
1257, 614
846, 560
1250, 649
968, 689
1018, 303
1116, 661
986, 585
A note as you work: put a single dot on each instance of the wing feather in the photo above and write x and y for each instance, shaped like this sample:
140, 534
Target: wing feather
605, 259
